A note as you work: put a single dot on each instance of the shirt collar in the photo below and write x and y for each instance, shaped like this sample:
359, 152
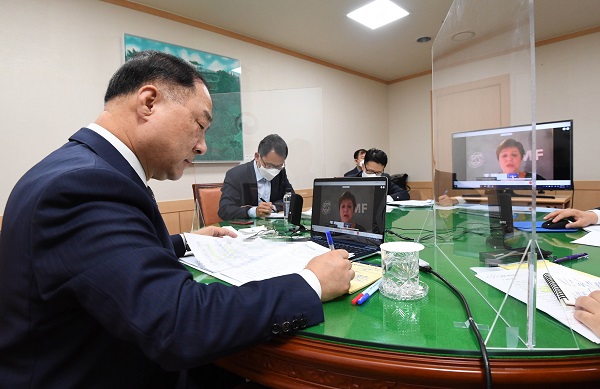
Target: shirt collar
121, 148
257, 172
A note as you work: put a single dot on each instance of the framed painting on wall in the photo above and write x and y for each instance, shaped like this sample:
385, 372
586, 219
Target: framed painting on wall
222, 75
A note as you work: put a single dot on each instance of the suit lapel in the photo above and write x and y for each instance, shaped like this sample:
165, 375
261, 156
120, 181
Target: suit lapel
104, 149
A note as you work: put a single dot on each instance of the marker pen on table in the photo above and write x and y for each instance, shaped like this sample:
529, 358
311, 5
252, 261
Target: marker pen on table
329, 240
371, 290
570, 257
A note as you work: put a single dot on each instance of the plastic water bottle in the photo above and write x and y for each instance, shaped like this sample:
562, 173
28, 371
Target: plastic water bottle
287, 197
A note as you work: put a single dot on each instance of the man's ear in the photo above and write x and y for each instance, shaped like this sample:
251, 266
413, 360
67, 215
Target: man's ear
147, 97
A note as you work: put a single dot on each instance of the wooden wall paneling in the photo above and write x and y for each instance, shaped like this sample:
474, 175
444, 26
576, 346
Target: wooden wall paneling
307, 197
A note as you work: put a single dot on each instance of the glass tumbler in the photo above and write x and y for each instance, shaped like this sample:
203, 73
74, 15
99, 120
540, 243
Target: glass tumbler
400, 266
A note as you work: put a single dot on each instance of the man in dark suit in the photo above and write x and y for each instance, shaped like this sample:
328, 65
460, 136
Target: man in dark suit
91, 290
374, 166
359, 159
256, 188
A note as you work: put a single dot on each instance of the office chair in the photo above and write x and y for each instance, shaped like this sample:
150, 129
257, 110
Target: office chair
206, 198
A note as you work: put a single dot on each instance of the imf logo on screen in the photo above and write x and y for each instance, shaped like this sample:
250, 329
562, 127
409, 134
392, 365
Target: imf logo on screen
476, 159
326, 207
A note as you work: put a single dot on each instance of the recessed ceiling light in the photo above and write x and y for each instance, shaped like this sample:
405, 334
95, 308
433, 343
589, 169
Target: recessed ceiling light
463, 36
424, 39
378, 13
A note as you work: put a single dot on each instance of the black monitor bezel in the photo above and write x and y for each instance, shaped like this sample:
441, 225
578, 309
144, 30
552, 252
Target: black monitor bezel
540, 184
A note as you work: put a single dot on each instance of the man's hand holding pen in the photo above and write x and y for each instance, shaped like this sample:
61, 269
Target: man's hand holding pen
264, 208
334, 272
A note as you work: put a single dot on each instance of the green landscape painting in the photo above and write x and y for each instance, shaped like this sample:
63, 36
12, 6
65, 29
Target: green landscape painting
222, 75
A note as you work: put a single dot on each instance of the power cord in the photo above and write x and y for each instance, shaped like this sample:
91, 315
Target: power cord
426, 268
422, 238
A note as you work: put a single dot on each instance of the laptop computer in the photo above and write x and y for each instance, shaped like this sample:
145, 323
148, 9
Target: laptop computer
353, 210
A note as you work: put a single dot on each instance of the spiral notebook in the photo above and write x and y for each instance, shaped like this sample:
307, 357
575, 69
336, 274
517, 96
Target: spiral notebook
568, 284
558, 291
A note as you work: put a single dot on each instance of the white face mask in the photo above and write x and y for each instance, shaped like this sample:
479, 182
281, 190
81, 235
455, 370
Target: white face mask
361, 163
369, 175
268, 174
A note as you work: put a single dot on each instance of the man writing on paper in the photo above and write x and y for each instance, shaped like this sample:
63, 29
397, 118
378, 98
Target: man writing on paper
91, 289
256, 188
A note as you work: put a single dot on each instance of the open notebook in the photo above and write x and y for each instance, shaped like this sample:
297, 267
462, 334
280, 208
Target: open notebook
352, 209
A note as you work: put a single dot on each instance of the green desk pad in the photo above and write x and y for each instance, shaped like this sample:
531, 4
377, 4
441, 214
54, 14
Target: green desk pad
436, 324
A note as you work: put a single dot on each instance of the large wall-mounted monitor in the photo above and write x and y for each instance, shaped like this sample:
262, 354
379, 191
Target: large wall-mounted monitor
500, 158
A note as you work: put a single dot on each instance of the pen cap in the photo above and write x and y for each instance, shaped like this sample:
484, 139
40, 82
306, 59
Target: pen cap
400, 268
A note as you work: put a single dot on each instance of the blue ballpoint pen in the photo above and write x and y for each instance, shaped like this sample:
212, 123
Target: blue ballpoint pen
369, 292
329, 240
569, 257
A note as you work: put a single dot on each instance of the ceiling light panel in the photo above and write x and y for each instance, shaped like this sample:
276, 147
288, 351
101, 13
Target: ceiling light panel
378, 13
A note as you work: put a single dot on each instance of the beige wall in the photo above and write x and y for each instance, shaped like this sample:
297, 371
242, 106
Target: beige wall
54, 80
53, 85
568, 87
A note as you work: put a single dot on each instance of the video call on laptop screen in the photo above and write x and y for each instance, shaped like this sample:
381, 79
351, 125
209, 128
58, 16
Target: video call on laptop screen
352, 209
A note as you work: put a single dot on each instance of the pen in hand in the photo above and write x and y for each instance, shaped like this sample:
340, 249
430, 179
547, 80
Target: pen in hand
265, 201
569, 257
329, 240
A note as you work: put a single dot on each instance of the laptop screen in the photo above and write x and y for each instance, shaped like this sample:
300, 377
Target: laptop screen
351, 208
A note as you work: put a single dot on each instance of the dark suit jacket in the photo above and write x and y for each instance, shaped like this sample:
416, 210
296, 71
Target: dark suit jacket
394, 190
353, 173
92, 293
239, 192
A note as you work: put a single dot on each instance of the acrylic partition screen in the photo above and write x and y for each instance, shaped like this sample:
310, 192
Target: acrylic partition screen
483, 79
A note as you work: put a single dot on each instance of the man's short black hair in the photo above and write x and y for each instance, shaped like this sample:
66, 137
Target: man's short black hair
377, 156
273, 142
151, 66
359, 152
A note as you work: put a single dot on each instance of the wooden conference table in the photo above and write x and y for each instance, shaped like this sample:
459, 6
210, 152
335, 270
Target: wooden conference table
393, 344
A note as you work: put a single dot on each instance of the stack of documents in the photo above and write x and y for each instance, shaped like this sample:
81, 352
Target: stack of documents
237, 261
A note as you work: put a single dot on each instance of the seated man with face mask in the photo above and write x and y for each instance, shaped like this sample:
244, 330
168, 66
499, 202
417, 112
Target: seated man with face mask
256, 188
374, 165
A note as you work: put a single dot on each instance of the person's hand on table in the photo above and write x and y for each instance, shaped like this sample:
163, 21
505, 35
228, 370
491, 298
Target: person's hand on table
582, 218
217, 232
334, 271
446, 201
587, 311
264, 209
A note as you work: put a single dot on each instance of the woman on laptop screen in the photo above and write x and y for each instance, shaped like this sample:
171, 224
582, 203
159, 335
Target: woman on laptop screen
347, 206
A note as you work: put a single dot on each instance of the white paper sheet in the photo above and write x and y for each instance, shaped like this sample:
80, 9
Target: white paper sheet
589, 239
237, 261
546, 300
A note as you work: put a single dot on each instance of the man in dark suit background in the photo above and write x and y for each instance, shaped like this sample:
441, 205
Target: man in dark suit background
374, 166
256, 188
91, 290
359, 159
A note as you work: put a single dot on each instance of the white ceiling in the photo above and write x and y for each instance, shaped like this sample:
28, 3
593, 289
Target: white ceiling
321, 30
